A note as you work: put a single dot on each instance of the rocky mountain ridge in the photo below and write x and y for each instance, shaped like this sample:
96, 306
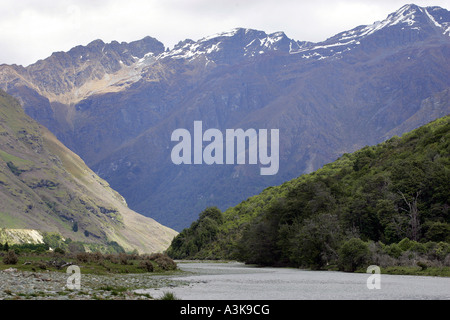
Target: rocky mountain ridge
118, 110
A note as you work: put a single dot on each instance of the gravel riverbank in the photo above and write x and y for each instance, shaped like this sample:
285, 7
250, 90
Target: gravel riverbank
20, 285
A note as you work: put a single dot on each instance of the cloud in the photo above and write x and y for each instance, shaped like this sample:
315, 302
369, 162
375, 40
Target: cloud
33, 29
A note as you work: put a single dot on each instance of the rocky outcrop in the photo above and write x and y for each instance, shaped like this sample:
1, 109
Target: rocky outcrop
20, 236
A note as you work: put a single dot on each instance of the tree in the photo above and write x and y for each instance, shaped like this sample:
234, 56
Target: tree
201, 233
315, 241
212, 213
353, 254
260, 242
437, 231
413, 215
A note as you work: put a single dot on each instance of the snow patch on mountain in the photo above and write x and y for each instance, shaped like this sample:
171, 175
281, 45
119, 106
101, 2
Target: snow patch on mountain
240, 43
408, 17
236, 42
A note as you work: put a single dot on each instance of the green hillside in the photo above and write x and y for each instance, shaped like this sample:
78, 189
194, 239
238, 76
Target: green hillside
46, 187
387, 205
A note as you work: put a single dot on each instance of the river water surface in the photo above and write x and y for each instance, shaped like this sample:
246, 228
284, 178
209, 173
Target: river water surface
236, 281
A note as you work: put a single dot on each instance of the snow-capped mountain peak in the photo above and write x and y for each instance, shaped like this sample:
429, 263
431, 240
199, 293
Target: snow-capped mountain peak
234, 44
406, 24
409, 16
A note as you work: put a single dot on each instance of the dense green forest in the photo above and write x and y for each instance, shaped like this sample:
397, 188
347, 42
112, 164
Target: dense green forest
386, 205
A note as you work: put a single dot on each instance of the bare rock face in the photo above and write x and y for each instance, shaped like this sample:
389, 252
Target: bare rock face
68, 77
117, 104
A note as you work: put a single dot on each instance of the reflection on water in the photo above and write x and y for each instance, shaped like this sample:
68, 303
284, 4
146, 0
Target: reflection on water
236, 281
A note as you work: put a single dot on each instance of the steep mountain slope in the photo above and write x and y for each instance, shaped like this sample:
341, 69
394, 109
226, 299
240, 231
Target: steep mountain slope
385, 193
46, 187
357, 88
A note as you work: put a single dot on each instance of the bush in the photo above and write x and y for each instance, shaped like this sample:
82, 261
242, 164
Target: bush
422, 265
147, 265
10, 258
75, 247
418, 247
97, 256
82, 257
406, 244
441, 251
123, 258
60, 251
163, 261
113, 258
53, 240
169, 296
378, 255
353, 254
393, 250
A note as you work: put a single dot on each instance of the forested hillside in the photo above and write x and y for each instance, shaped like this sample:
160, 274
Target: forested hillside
386, 205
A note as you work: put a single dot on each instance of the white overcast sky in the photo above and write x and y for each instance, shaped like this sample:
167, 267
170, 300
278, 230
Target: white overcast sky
32, 29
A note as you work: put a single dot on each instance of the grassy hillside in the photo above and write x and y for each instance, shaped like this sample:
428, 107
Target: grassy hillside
46, 187
386, 205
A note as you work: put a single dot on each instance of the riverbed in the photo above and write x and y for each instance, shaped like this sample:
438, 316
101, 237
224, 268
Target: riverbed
237, 281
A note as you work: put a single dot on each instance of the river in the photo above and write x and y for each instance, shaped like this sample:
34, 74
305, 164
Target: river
237, 281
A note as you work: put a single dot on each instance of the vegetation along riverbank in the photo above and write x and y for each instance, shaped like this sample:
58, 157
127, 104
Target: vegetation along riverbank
34, 272
385, 205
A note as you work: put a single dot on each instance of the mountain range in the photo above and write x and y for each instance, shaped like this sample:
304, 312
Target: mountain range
117, 104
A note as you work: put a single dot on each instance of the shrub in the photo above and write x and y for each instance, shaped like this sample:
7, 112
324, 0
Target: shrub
82, 257
418, 247
76, 247
10, 258
147, 265
393, 250
442, 250
123, 258
405, 244
163, 261
53, 240
353, 254
169, 296
59, 251
112, 258
97, 256
378, 256
422, 265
